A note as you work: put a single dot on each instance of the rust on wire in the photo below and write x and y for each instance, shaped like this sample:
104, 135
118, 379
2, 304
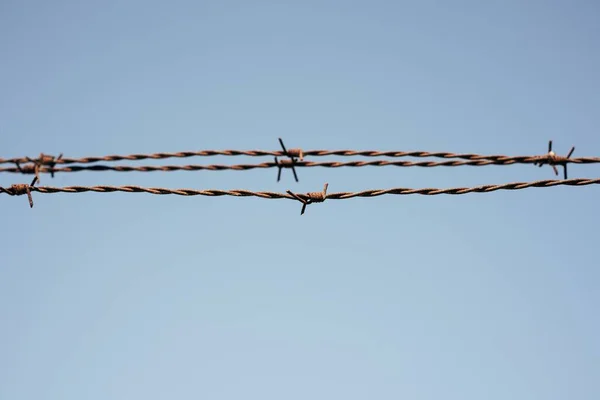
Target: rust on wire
20, 189
300, 154
287, 163
45, 163
293, 156
553, 160
153, 156
16, 190
309, 198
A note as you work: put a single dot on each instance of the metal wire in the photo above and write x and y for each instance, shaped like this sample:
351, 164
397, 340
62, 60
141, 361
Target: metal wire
17, 190
307, 164
154, 156
501, 159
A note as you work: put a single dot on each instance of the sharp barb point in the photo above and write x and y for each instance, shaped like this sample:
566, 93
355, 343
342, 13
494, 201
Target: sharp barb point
283, 146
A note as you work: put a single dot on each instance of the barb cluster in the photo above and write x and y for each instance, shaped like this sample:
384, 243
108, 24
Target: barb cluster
293, 158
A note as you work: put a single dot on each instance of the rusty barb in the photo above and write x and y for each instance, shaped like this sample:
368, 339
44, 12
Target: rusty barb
20, 189
37, 164
309, 198
294, 155
553, 160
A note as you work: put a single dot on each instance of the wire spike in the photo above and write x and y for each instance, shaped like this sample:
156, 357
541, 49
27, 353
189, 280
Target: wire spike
283, 146
292, 159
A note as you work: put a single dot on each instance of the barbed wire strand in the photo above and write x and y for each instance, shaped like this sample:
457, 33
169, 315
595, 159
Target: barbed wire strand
30, 169
292, 152
21, 189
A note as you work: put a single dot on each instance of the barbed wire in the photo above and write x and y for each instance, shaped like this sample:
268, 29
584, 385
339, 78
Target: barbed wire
308, 198
280, 164
48, 160
48, 164
30, 169
153, 156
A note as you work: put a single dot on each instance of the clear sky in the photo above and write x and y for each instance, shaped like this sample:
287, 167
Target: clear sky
134, 296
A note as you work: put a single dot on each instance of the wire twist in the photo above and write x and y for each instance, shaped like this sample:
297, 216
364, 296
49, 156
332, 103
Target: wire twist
297, 153
309, 198
20, 189
305, 199
286, 163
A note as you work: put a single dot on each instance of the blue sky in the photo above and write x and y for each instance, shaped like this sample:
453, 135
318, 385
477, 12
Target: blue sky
458, 297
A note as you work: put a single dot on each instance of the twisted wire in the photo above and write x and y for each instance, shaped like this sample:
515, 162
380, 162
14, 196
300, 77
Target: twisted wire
153, 156
16, 190
503, 159
306, 164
